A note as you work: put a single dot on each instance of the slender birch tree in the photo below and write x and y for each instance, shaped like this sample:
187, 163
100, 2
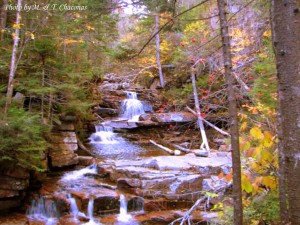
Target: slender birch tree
10, 86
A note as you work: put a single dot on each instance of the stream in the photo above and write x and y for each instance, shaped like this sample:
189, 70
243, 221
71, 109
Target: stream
128, 184
107, 145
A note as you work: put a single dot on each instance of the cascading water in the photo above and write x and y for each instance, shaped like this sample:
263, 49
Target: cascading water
90, 212
123, 216
132, 108
73, 206
43, 210
75, 175
104, 134
91, 209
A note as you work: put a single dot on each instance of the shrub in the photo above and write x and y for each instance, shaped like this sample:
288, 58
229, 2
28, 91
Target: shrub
22, 139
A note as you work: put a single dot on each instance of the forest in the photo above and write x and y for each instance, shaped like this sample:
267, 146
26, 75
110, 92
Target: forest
149, 112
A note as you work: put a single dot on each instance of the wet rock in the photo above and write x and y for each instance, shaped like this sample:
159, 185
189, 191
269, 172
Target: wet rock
213, 183
64, 143
85, 160
161, 204
201, 153
105, 112
69, 220
173, 117
8, 193
127, 183
63, 137
157, 217
16, 172
135, 204
145, 117
189, 182
63, 160
123, 124
15, 184
9, 203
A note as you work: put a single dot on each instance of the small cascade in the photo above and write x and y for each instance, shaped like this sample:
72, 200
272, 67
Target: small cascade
123, 216
73, 207
90, 212
75, 175
104, 134
43, 210
132, 108
91, 208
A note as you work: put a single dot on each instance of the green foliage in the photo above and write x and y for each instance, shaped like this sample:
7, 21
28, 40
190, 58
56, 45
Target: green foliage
263, 208
22, 139
265, 85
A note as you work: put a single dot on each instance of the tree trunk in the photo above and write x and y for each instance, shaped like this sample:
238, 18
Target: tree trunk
3, 18
157, 42
43, 96
10, 86
234, 129
286, 41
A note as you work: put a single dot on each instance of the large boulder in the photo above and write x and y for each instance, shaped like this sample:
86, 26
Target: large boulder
14, 181
64, 145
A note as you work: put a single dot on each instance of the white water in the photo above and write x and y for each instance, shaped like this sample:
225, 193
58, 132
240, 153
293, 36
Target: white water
90, 213
123, 216
75, 175
73, 207
43, 210
132, 108
104, 134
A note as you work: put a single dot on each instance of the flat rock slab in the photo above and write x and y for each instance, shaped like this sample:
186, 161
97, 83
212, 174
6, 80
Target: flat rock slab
166, 175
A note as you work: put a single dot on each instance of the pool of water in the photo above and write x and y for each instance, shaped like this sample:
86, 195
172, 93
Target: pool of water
124, 150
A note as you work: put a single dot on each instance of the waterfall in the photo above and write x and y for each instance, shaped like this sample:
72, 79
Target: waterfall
104, 134
73, 206
123, 216
91, 208
132, 108
75, 175
43, 210
90, 212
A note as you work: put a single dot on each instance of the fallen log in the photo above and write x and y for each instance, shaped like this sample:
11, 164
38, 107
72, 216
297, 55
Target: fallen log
208, 123
185, 150
170, 151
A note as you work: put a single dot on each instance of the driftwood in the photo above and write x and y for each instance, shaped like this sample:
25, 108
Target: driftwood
187, 215
170, 151
209, 124
185, 150
204, 144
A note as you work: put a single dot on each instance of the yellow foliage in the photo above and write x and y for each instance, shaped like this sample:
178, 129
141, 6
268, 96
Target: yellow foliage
256, 133
194, 27
243, 126
90, 28
246, 184
16, 25
270, 182
267, 33
72, 41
